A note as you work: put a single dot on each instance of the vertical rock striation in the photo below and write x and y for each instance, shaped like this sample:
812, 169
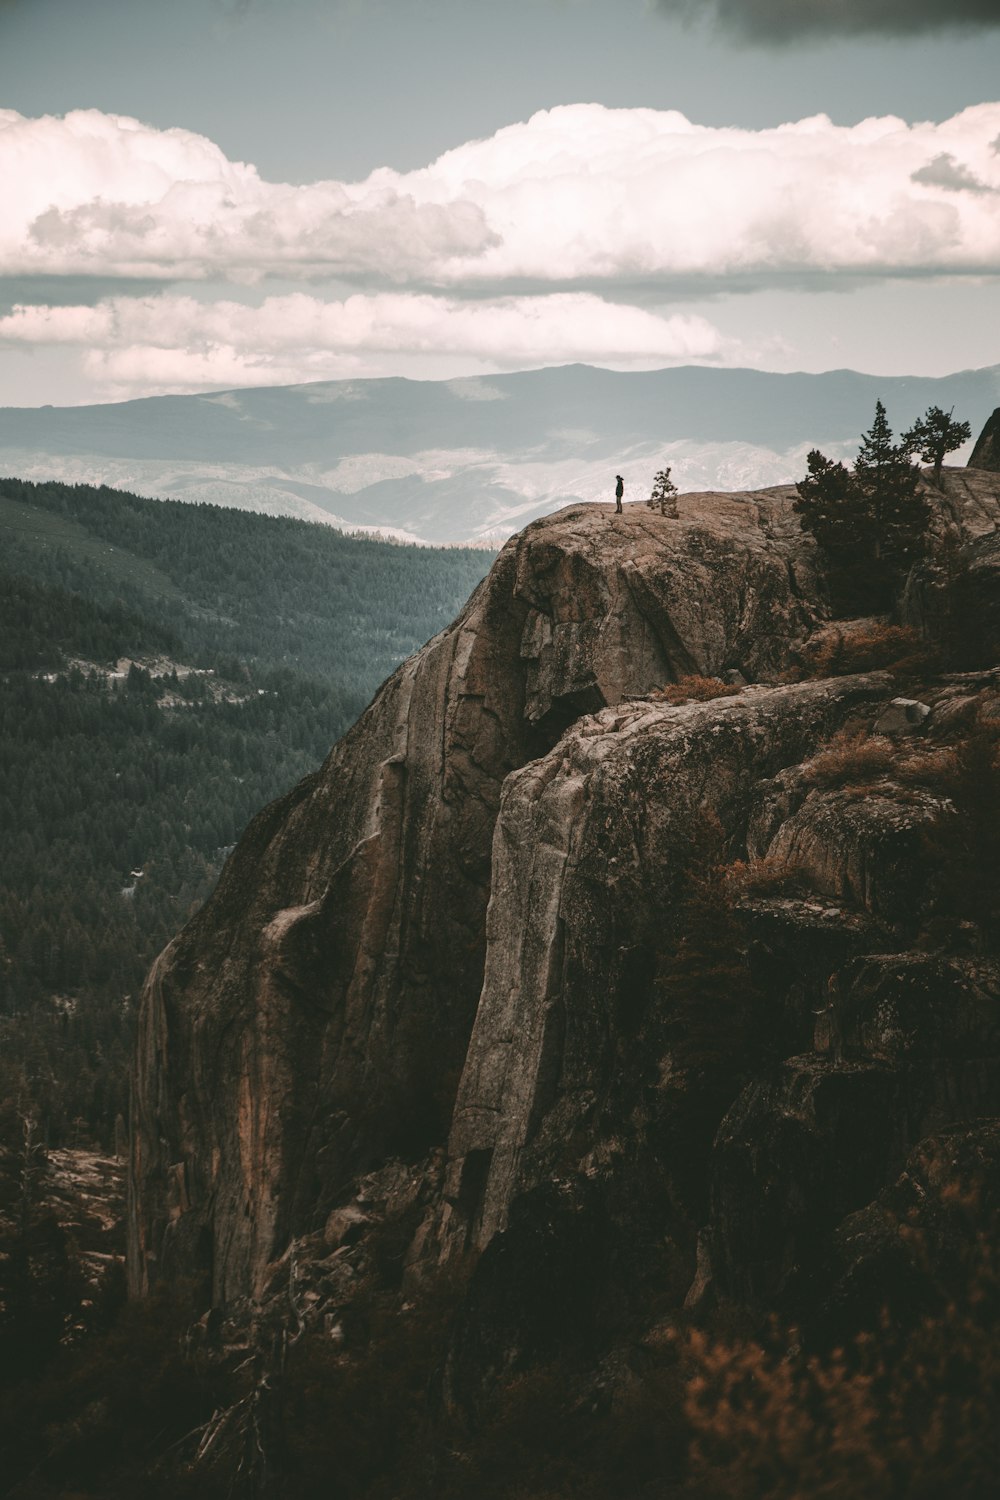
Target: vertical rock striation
589, 852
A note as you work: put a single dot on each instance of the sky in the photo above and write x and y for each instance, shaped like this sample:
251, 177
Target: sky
207, 194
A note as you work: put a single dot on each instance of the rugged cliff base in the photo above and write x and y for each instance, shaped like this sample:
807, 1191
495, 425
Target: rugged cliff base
631, 969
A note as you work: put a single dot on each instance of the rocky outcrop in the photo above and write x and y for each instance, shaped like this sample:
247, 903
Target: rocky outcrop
964, 504
571, 1072
957, 600
439, 994
986, 453
314, 1016
814, 1142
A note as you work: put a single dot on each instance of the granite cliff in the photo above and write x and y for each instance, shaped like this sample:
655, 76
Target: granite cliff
615, 987
315, 1015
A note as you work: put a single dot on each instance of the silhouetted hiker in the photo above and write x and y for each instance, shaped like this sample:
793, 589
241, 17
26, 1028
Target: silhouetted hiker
619, 492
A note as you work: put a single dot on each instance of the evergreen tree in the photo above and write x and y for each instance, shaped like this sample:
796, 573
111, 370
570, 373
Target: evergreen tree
830, 506
897, 513
870, 520
935, 435
664, 494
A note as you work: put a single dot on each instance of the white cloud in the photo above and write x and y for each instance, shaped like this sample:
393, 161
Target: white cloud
98, 194
178, 343
489, 258
587, 192
578, 193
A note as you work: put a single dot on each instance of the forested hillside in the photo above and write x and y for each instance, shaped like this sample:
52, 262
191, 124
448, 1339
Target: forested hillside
165, 670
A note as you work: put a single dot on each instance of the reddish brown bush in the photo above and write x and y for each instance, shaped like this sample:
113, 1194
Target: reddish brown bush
694, 689
898, 1412
894, 648
861, 759
850, 758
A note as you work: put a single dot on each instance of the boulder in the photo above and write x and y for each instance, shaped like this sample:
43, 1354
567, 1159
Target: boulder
903, 716
343, 1226
986, 453
864, 845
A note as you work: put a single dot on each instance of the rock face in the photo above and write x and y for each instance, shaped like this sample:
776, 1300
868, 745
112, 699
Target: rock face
589, 849
443, 981
314, 1015
986, 453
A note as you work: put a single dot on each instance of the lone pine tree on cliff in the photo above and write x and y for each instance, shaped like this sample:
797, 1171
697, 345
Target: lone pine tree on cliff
870, 520
664, 494
935, 436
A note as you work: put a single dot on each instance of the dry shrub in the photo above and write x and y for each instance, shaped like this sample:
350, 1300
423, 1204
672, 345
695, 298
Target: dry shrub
931, 768
894, 648
861, 758
849, 759
694, 689
899, 1412
768, 876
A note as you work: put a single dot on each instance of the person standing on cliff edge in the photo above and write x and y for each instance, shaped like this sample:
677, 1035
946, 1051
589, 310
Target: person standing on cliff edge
619, 492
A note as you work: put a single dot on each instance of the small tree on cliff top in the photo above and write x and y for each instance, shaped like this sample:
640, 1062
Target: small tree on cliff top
936, 435
664, 494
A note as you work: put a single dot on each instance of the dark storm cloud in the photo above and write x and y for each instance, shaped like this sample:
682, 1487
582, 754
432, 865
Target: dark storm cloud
801, 20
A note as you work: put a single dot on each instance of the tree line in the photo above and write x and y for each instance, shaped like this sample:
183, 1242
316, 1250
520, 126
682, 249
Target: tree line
872, 519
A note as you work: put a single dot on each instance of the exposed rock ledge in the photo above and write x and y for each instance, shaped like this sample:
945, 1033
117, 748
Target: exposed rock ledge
314, 1018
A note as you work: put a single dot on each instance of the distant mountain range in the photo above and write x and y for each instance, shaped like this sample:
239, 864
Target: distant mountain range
477, 458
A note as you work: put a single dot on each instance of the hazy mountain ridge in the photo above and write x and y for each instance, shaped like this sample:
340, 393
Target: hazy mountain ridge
471, 459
